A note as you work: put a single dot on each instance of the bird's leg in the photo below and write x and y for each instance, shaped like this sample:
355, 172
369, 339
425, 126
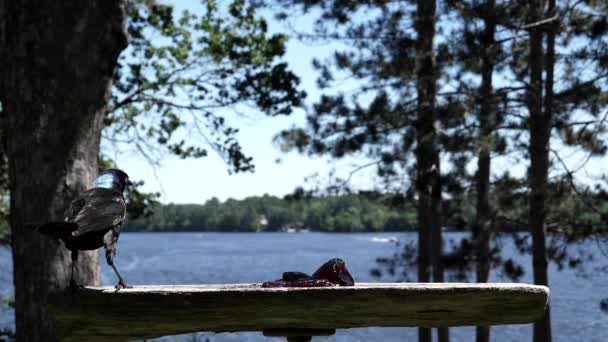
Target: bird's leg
121, 282
73, 286
72, 281
110, 240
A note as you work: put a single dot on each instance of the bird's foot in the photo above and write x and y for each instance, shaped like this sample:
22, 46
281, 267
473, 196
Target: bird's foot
122, 285
74, 287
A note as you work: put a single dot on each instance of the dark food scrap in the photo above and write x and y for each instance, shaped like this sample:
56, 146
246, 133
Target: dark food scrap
335, 272
331, 273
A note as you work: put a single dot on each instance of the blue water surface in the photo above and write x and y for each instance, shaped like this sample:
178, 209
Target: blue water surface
212, 258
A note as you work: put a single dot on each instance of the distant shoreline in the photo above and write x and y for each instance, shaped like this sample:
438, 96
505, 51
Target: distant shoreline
271, 232
127, 230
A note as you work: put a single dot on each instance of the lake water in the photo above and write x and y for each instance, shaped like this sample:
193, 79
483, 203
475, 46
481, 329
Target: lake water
199, 258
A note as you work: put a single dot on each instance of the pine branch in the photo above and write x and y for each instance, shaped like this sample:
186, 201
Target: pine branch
527, 27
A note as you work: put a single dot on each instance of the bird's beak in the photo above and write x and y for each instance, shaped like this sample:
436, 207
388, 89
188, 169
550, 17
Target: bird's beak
129, 183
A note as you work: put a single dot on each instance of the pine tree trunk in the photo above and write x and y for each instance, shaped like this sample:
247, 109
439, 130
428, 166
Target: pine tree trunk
58, 59
540, 133
436, 236
487, 119
427, 153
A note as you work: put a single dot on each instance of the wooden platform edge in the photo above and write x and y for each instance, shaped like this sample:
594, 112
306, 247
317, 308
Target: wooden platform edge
102, 314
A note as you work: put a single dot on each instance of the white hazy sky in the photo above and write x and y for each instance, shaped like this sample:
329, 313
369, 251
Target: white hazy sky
196, 180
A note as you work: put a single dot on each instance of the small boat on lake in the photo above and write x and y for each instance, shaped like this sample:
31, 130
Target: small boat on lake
294, 228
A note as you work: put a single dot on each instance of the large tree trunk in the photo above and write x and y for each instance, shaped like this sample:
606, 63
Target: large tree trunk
540, 133
57, 60
483, 222
427, 154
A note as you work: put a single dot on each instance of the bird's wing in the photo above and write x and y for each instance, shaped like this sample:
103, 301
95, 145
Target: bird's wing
75, 207
97, 209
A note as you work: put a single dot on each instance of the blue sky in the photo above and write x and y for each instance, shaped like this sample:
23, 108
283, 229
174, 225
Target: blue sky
196, 180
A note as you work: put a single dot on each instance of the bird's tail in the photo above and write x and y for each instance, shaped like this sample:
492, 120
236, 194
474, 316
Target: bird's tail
57, 230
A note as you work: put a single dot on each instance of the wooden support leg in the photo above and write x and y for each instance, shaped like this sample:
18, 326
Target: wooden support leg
298, 334
299, 339
73, 285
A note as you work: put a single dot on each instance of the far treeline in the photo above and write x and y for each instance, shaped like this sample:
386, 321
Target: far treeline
365, 211
344, 213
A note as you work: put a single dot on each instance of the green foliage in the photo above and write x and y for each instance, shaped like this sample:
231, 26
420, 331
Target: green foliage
376, 118
5, 231
4, 195
183, 75
345, 213
179, 81
4, 210
7, 303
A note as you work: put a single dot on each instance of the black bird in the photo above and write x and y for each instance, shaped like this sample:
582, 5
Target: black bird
94, 220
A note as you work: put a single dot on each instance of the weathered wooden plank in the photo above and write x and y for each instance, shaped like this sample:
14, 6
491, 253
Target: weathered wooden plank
101, 314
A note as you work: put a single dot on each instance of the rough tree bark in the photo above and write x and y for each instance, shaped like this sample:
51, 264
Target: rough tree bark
428, 187
57, 61
487, 119
540, 133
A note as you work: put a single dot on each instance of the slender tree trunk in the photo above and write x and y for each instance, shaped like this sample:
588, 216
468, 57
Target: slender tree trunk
436, 236
487, 119
540, 133
427, 154
58, 59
